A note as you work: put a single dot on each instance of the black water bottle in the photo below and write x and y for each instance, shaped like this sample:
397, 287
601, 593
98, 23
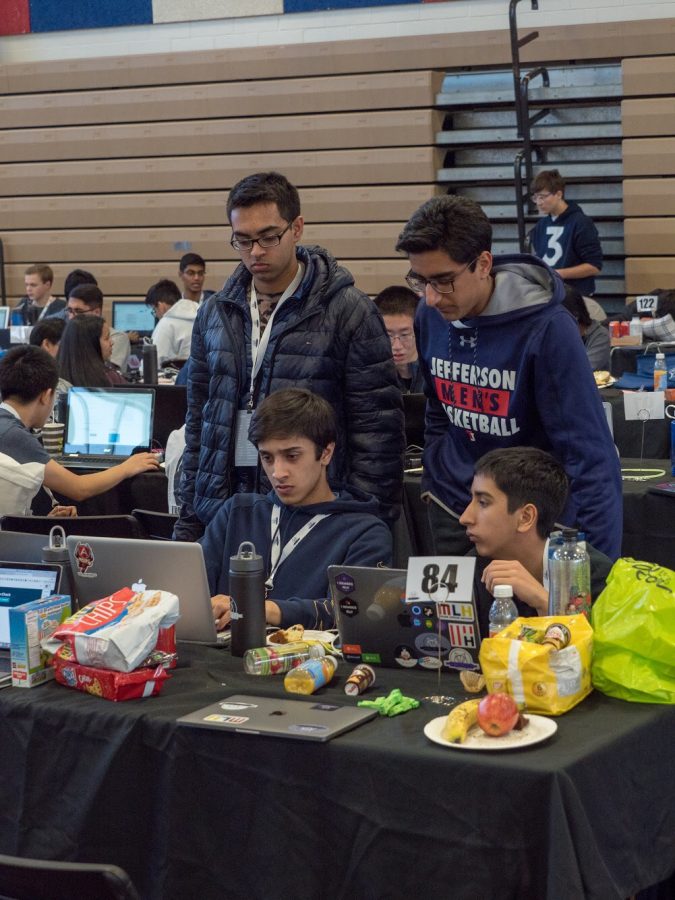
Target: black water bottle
247, 600
56, 551
149, 364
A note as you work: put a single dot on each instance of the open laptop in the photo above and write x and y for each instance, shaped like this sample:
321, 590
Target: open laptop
305, 720
133, 315
22, 583
170, 409
102, 566
21, 546
105, 425
378, 627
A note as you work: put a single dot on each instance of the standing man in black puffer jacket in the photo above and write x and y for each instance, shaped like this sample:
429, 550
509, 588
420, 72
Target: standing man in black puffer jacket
289, 316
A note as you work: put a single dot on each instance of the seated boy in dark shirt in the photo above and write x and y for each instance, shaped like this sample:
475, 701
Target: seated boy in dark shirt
516, 496
302, 525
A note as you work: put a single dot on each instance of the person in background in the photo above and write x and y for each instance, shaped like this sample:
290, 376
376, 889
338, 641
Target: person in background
75, 278
517, 495
84, 354
87, 300
318, 523
398, 306
175, 319
594, 335
288, 316
47, 334
192, 272
565, 238
28, 379
38, 302
504, 366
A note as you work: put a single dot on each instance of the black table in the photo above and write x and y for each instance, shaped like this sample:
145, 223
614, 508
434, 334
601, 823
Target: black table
378, 812
648, 519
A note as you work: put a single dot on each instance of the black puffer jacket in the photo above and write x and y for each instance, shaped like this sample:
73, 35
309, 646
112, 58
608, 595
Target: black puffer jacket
328, 338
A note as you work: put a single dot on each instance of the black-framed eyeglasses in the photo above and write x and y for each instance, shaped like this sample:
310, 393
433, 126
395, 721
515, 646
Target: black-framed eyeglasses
444, 284
266, 241
542, 195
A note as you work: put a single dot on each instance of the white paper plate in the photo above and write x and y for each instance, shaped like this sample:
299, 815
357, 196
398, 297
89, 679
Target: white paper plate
537, 729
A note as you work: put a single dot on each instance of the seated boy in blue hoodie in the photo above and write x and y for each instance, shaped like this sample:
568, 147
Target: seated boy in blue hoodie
517, 494
302, 525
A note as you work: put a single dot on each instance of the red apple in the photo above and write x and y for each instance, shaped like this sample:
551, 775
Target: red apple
497, 714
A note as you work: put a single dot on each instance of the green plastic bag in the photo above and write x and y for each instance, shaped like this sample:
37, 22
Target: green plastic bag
634, 633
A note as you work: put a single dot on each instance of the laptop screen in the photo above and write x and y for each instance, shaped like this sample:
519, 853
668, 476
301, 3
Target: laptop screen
133, 315
4, 316
108, 421
23, 583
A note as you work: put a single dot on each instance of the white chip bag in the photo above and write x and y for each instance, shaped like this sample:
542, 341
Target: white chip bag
117, 632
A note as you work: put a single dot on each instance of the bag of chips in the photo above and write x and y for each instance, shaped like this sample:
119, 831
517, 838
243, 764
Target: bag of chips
118, 632
543, 662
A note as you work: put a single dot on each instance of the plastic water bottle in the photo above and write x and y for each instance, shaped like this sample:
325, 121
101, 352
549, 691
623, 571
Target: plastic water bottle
569, 577
660, 372
503, 610
277, 659
310, 675
247, 599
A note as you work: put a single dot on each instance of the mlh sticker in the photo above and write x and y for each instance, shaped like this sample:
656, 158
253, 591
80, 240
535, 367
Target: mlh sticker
458, 612
462, 635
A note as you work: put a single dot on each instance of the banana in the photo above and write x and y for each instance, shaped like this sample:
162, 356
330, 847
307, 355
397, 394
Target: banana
460, 720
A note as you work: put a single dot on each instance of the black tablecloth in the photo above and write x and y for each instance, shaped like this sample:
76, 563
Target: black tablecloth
378, 812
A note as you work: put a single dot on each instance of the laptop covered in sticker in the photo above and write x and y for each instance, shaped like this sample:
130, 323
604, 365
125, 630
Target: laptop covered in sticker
378, 626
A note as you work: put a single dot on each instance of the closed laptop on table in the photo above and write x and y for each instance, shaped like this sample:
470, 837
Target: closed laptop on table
305, 720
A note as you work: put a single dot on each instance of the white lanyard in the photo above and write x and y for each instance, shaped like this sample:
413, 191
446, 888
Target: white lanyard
545, 578
259, 342
277, 555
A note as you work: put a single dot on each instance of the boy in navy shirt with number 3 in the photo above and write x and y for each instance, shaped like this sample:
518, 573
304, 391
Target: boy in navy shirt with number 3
302, 525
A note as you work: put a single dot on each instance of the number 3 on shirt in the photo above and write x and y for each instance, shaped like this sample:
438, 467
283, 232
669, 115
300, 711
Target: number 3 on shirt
554, 234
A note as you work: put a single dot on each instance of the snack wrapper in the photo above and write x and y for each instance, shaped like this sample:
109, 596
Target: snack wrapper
547, 680
109, 684
118, 632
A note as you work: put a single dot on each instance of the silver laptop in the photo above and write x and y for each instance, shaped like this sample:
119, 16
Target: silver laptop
102, 566
377, 626
23, 547
304, 720
21, 583
105, 425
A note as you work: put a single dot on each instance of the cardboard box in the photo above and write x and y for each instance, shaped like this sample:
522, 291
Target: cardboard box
628, 340
29, 624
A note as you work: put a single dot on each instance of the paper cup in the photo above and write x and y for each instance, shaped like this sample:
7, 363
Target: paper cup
52, 437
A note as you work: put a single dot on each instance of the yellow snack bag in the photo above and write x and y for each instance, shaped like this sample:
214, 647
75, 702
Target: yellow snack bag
546, 679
